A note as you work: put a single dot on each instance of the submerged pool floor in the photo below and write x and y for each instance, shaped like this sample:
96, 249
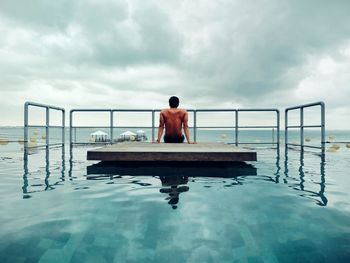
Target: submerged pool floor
287, 207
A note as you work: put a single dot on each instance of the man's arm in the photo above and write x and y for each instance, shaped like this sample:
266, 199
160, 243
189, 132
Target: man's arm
185, 127
161, 127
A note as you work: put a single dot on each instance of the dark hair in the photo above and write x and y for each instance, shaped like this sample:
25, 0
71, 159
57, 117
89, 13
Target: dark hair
174, 102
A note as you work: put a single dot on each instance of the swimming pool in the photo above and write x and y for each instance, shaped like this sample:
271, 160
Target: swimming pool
287, 207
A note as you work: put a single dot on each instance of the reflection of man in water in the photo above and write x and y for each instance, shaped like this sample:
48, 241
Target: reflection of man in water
174, 190
173, 119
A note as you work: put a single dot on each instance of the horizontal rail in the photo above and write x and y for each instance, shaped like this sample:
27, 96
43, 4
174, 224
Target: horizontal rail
257, 110
190, 126
240, 127
240, 143
258, 143
318, 103
91, 110
43, 126
305, 126
232, 110
114, 127
337, 142
214, 127
258, 127
308, 146
44, 145
40, 105
215, 110
158, 110
122, 110
89, 143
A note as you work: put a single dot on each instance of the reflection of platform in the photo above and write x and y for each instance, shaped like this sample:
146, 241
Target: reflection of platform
165, 152
172, 169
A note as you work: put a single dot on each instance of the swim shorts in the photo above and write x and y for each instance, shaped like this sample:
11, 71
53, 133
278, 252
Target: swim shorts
174, 139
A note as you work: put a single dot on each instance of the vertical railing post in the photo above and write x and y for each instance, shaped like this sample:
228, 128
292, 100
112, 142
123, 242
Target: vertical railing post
195, 125
47, 126
115, 120
286, 128
153, 124
71, 128
25, 138
236, 127
63, 127
302, 127
323, 125
25, 124
111, 127
278, 128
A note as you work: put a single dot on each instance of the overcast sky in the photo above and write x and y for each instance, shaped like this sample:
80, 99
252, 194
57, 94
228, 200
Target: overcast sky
212, 54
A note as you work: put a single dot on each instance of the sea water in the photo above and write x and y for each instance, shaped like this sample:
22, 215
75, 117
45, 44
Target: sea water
289, 206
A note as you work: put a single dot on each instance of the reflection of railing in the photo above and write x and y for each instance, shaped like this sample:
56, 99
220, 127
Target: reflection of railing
301, 125
300, 183
28, 188
236, 126
294, 174
47, 126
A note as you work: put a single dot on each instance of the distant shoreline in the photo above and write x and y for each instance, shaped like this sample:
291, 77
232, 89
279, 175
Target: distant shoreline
343, 130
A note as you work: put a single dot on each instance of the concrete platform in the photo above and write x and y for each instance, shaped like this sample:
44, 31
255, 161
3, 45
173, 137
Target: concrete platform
166, 152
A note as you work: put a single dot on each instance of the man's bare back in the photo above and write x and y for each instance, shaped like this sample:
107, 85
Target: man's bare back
174, 120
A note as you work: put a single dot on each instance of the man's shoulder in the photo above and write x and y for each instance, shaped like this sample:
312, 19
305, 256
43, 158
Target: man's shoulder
178, 110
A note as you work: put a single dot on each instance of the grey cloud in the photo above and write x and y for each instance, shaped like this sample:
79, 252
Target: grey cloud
146, 37
61, 42
255, 44
40, 13
226, 52
109, 33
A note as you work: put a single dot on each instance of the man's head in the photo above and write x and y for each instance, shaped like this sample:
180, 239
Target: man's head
174, 102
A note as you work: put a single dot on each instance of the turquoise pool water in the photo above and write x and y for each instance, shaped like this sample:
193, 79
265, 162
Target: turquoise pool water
287, 207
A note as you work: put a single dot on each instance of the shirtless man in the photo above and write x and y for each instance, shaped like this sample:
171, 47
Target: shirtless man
174, 120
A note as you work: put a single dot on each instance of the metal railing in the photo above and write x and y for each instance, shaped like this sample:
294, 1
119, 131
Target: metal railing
237, 127
301, 125
195, 127
47, 126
